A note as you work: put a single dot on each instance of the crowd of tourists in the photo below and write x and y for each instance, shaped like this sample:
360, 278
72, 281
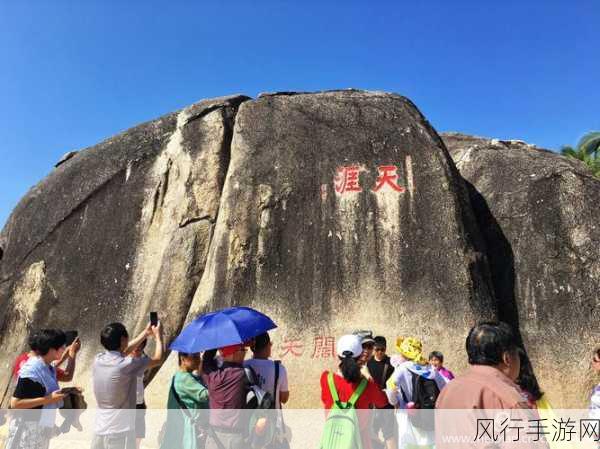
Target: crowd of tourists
211, 391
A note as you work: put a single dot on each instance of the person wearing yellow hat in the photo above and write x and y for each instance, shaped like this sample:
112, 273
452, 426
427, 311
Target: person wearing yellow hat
411, 370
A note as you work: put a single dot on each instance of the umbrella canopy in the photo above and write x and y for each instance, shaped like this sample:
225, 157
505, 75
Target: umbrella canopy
222, 328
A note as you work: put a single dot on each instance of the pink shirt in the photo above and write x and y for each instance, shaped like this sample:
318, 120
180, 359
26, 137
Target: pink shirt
446, 373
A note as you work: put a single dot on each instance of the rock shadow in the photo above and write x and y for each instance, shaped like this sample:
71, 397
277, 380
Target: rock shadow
500, 259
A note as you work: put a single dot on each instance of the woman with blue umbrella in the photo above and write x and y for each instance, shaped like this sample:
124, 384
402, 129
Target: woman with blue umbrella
227, 331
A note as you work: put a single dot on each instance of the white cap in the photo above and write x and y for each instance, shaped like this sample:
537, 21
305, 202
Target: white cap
350, 343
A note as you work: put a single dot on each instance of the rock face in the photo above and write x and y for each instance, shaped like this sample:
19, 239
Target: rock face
538, 214
329, 211
121, 229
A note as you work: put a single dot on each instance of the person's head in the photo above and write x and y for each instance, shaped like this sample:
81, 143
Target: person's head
139, 350
527, 380
367, 343
494, 344
349, 350
48, 344
233, 353
596, 360
436, 359
189, 362
261, 346
379, 348
411, 348
114, 337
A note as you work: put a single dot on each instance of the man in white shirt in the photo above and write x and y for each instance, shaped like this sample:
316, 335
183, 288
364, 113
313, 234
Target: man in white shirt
115, 374
265, 370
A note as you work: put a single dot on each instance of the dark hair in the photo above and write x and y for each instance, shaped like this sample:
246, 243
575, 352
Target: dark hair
181, 355
438, 355
597, 352
349, 368
44, 340
527, 380
111, 336
261, 342
488, 341
380, 341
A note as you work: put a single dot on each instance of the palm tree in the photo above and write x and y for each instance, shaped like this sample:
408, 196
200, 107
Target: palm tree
587, 150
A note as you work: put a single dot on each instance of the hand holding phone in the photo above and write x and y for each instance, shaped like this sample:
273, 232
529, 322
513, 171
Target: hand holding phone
153, 319
69, 390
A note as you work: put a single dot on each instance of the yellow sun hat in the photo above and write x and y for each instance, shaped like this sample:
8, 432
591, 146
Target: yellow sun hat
411, 348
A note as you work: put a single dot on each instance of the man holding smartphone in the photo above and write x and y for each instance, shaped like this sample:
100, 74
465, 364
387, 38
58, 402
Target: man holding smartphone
115, 374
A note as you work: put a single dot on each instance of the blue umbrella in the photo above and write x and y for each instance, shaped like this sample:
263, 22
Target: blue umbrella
222, 328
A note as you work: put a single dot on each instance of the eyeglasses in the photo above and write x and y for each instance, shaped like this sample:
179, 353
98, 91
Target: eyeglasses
379, 349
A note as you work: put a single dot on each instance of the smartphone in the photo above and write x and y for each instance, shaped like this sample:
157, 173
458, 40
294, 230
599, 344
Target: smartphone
153, 318
71, 336
68, 390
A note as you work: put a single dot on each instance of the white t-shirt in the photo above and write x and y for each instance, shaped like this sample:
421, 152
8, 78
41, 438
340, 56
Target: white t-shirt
265, 373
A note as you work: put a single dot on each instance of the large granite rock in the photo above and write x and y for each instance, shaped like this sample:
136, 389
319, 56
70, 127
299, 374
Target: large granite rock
324, 262
538, 212
122, 228
329, 211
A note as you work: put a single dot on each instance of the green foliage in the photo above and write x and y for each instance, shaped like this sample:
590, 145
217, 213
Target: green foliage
587, 151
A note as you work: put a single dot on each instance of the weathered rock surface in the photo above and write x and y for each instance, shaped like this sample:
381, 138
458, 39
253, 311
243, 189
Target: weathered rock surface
329, 211
120, 230
538, 212
324, 262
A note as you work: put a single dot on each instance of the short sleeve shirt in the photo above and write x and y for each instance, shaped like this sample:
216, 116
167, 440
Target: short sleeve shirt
115, 383
265, 373
371, 397
22, 360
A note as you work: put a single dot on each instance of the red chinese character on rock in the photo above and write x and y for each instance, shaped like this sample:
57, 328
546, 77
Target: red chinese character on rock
346, 179
387, 176
293, 347
324, 348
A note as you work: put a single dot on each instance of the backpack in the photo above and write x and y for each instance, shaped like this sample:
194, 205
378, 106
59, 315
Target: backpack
341, 429
262, 421
425, 394
256, 397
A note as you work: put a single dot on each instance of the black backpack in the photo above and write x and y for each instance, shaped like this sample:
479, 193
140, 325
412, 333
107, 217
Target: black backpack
256, 397
425, 394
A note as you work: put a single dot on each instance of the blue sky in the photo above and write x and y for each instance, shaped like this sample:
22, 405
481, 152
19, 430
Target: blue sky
73, 73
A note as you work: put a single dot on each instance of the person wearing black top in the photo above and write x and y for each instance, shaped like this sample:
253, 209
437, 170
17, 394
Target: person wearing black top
380, 368
31, 393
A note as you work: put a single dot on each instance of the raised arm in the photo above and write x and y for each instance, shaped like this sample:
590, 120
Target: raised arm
147, 332
157, 358
71, 355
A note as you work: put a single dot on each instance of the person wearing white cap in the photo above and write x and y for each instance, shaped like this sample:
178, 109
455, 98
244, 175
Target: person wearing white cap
349, 379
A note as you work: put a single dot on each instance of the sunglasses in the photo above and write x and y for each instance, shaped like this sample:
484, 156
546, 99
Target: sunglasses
379, 349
